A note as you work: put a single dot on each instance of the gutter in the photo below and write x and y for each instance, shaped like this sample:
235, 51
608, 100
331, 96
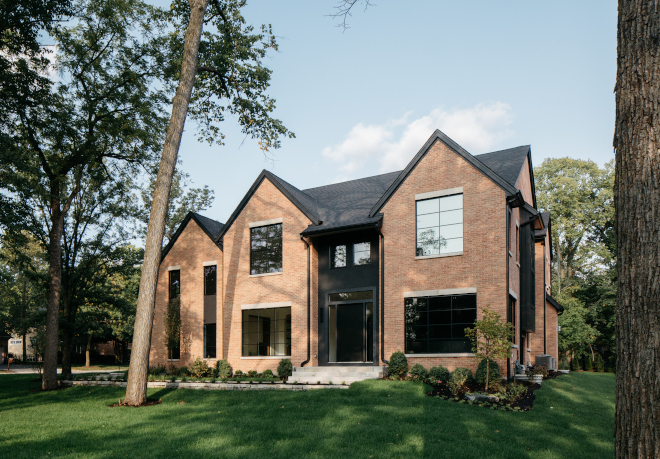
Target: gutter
302, 238
382, 296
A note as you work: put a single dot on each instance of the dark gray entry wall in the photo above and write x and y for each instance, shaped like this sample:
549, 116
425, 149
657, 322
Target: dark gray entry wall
350, 278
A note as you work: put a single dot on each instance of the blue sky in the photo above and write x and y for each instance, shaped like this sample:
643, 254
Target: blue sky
491, 75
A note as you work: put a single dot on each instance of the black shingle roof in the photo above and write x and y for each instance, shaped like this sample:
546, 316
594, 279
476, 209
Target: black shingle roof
211, 226
506, 163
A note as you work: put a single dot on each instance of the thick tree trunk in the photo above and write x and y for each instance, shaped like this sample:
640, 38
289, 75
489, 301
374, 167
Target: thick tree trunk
67, 333
637, 204
24, 348
49, 376
136, 389
88, 360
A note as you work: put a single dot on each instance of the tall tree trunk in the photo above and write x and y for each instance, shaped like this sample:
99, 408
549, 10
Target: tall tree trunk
88, 361
49, 376
136, 388
637, 205
67, 331
24, 348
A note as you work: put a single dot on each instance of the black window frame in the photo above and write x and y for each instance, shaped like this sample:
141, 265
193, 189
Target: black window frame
332, 256
210, 271
174, 288
458, 345
287, 338
417, 215
370, 257
253, 231
207, 355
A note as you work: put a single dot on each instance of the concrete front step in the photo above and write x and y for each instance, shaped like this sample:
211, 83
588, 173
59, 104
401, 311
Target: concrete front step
361, 368
343, 374
339, 381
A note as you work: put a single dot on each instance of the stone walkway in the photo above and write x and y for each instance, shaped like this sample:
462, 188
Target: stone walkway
213, 386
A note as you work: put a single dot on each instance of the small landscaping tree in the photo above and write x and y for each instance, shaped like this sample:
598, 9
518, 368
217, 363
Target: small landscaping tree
284, 369
491, 339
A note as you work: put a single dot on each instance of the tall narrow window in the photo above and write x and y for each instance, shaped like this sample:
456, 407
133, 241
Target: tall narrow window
209, 341
440, 225
361, 253
266, 249
173, 318
210, 279
267, 332
338, 256
517, 243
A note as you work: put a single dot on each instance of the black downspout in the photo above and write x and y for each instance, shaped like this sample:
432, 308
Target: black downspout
508, 300
545, 329
382, 298
309, 331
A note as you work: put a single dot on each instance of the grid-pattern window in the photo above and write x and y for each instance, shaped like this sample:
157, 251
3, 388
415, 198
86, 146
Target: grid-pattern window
338, 256
209, 341
210, 279
267, 332
440, 225
266, 249
437, 324
361, 253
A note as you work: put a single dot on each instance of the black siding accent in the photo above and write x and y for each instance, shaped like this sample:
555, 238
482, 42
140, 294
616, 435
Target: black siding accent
527, 278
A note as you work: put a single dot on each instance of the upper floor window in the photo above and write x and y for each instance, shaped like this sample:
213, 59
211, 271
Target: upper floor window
338, 256
440, 225
361, 253
175, 284
266, 249
210, 279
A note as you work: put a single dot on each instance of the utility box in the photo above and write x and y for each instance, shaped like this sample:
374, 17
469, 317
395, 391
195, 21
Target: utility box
546, 359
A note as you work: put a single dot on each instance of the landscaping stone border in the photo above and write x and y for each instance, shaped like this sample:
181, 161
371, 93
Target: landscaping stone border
211, 386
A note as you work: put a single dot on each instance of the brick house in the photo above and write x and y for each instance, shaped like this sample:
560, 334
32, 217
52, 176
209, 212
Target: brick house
346, 274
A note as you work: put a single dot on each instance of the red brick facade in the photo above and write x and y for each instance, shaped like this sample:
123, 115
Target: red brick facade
481, 267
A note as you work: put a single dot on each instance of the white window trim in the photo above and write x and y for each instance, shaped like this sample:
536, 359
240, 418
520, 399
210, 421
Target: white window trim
444, 292
438, 255
266, 357
210, 263
174, 268
462, 354
273, 221
439, 193
267, 274
513, 294
280, 304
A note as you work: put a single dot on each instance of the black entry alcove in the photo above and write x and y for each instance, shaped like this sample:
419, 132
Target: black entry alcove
350, 330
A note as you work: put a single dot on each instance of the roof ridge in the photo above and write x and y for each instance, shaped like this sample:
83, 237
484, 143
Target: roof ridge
504, 149
349, 181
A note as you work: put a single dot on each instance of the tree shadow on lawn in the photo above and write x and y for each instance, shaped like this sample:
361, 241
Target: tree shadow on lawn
372, 418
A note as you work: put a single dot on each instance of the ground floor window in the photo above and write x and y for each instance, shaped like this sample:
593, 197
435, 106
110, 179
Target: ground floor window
436, 324
267, 332
209, 341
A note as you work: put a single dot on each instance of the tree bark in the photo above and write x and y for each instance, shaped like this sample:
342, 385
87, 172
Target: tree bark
87, 349
67, 333
136, 388
637, 206
49, 376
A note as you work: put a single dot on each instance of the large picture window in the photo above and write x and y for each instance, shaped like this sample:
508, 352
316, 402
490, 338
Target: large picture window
436, 324
267, 332
266, 249
440, 225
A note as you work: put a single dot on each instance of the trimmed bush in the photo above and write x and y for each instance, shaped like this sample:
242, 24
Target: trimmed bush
480, 374
238, 373
460, 372
398, 365
588, 363
599, 364
439, 373
419, 371
157, 370
182, 371
284, 369
199, 368
222, 369
563, 364
252, 374
575, 364
267, 374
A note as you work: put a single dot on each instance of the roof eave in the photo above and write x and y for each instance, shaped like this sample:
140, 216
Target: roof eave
179, 230
343, 229
554, 303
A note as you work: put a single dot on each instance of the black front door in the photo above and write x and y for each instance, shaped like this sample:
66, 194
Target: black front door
350, 332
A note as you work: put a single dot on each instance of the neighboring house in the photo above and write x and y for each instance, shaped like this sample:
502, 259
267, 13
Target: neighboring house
16, 346
4, 346
346, 274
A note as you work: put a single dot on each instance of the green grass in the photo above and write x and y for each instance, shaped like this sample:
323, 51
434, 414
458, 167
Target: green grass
573, 417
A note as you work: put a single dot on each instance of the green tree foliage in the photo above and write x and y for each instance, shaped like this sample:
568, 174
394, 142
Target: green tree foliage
579, 195
491, 338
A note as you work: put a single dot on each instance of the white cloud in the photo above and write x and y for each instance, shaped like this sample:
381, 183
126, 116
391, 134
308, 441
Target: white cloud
393, 144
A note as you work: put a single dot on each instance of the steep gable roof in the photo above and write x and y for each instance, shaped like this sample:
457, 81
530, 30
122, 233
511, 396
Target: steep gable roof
439, 136
209, 226
303, 202
508, 164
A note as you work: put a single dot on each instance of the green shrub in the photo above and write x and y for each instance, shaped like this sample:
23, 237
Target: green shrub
563, 364
157, 370
267, 374
588, 363
419, 371
222, 369
439, 373
285, 368
599, 363
200, 369
151, 378
183, 371
458, 378
575, 364
238, 373
253, 374
398, 366
494, 372
460, 372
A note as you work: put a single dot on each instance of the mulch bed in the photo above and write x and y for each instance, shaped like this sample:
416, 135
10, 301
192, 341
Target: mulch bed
524, 403
149, 402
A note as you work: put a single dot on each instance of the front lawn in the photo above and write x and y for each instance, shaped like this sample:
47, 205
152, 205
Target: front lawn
573, 417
